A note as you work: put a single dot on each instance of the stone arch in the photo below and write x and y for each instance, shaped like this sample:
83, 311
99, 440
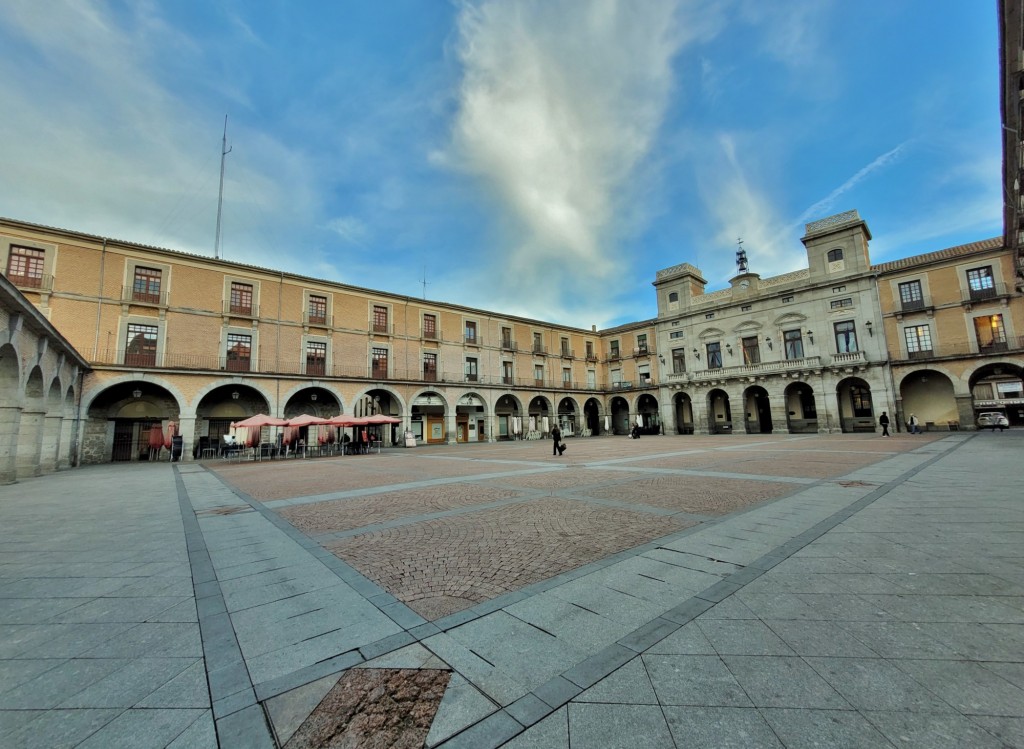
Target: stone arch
299, 396
619, 410
568, 416
428, 416
383, 400
994, 386
312, 400
592, 416
10, 411
648, 413
471, 414
507, 409
757, 411
31, 427
49, 450
856, 405
90, 394
217, 407
121, 418
683, 406
801, 408
228, 385
930, 395
719, 411
538, 410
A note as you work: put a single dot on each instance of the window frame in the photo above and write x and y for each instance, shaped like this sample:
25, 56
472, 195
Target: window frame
846, 339
149, 356
380, 354
471, 369
921, 333
317, 308
236, 290
713, 351
429, 329
751, 346
793, 344
429, 367
232, 339
678, 361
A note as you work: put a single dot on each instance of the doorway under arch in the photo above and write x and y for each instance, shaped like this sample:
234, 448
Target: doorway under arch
801, 411
856, 408
757, 410
719, 412
684, 413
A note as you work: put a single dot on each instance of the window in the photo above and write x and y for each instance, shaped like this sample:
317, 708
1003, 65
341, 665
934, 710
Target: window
140, 350
746, 308
840, 303
430, 367
380, 319
911, 296
317, 309
709, 316
641, 343
678, 360
239, 351
673, 296
565, 347
981, 283
590, 350
714, 355
241, 298
430, 327
25, 266
316, 358
506, 338
616, 377
506, 373
644, 373
471, 369
751, 351
379, 363
990, 332
794, 343
538, 375
613, 350
677, 334
919, 341
538, 344
146, 286
860, 399
470, 332
566, 377
846, 337
838, 289
835, 255
591, 379
787, 299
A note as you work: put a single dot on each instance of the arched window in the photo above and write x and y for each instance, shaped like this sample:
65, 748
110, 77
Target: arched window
834, 255
673, 296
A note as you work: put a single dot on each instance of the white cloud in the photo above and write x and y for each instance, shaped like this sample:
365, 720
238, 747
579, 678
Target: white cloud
559, 105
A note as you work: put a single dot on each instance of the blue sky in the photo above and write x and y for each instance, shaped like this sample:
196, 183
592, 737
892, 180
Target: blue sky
535, 157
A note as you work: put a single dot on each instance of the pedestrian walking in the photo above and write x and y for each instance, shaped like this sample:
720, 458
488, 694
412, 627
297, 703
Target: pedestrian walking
556, 437
913, 424
883, 420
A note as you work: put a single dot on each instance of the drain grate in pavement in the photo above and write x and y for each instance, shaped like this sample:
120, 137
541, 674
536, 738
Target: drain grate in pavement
225, 510
383, 708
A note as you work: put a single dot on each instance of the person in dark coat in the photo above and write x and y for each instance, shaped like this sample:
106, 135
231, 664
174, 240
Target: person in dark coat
883, 421
556, 437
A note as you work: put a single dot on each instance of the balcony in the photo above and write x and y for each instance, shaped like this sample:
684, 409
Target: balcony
380, 327
430, 375
567, 353
321, 320
961, 349
641, 351
540, 348
473, 340
591, 356
236, 309
132, 295
316, 368
429, 334
996, 291
849, 357
622, 385
752, 370
613, 355
507, 380
913, 305
508, 344
31, 283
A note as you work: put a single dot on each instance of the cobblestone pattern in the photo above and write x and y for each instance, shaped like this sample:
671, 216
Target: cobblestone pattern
699, 495
570, 478
806, 466
345, 514
444, 565
372, 708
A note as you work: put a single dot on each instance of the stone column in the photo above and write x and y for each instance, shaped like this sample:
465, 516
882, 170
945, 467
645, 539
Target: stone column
828, 416
65, 458
965, 411
699, 406
30, 437
10, 423
668, 413
450, 428
49, 452
187, 430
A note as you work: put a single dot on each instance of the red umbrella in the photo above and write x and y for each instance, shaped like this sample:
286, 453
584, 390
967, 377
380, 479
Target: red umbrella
306, 420
156, 436
381, 419
345, 421
172, 429
260, 420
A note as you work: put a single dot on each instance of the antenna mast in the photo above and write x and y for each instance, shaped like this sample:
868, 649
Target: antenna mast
224, 151
424, 282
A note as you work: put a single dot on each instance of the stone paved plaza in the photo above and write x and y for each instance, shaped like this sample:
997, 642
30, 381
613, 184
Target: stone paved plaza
777, 591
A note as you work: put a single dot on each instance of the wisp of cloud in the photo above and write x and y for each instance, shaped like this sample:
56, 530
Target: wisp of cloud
560, 102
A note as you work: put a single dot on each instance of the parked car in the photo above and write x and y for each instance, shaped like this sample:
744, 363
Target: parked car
993, 420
